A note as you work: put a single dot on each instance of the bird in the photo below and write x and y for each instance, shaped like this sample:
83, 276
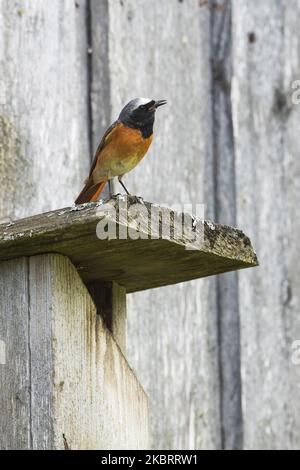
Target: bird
121, 148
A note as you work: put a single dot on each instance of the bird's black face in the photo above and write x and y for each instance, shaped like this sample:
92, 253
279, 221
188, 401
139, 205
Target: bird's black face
140, 113
144, 113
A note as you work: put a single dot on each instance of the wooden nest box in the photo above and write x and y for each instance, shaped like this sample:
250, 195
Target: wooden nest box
63, 289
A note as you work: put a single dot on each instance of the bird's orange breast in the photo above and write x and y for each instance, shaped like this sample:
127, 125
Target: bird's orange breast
123, 149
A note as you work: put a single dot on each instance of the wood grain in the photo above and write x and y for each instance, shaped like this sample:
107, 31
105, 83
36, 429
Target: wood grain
119, 315
15, 381
266, 129
225, 212
42, 340
44, 125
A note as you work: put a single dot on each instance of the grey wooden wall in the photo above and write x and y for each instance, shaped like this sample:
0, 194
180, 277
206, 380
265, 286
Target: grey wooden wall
214, 355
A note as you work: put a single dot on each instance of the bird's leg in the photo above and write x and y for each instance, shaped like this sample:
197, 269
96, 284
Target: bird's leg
109, 188
134, 199
123, 185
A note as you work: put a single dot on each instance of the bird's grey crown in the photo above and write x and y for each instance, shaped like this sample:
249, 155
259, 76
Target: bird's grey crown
131, 106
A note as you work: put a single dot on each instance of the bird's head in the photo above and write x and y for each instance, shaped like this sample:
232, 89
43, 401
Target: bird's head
140, 112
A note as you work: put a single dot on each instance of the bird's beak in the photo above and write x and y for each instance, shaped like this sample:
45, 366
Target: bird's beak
159, 103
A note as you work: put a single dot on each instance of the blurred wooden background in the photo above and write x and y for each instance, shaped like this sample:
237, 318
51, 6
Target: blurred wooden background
214, 355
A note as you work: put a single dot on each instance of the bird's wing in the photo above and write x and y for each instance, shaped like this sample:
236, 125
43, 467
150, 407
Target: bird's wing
101, 145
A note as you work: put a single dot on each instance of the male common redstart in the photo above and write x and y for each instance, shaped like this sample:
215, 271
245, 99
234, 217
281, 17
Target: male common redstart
122, 147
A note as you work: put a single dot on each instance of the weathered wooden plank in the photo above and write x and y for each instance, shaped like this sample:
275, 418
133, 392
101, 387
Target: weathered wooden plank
135, 263
266, 129
42, 340
65, 381
97, 403
44, 126
225, 212
164, 53
15, 402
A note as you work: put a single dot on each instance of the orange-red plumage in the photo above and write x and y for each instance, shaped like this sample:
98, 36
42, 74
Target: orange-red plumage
120, 150
123, 149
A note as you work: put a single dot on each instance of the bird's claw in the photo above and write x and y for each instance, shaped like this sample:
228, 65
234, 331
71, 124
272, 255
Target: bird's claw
115, 196
131, 199
135, 199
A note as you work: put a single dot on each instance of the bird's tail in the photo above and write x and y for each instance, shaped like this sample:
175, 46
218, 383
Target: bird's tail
90, 192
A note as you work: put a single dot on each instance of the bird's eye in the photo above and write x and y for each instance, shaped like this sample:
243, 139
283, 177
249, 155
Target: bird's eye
143, 107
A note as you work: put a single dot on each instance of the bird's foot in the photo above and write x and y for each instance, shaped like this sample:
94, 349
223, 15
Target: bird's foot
130, 198
115, 196
135, 199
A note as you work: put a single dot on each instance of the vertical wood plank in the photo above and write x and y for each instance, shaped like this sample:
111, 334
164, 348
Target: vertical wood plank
100, 74
15, 416
225, 212
100, 78
41, 344
44, 150
165, 54
266, 130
